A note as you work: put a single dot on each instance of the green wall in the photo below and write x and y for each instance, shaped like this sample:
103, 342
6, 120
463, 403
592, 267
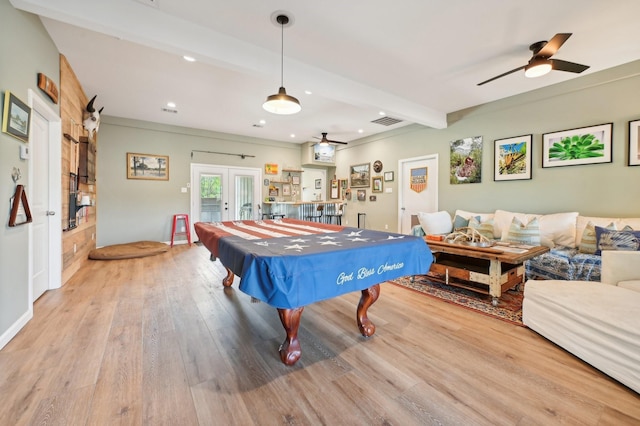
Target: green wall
134, 210
610, 189
26, 49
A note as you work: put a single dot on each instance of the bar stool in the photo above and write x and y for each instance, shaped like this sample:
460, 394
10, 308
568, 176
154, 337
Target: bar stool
318, 215
185, 219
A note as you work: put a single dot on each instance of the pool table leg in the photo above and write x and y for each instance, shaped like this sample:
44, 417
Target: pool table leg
228, 280
368, 298
290, 351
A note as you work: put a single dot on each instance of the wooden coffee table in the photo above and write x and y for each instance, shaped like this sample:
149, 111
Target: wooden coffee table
491, 270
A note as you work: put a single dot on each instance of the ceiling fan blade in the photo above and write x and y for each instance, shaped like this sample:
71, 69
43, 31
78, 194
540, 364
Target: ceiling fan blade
502, 75
561, 65
324, 139
552, 46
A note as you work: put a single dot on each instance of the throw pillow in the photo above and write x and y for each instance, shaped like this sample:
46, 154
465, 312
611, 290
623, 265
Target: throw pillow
588, 241
461, 222
435, 223
485, 228
524, 234
627, 240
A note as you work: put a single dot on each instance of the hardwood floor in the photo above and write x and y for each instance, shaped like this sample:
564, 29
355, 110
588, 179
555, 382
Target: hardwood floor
159, 341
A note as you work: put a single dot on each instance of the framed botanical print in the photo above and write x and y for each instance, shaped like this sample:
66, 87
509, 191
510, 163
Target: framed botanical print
512, 158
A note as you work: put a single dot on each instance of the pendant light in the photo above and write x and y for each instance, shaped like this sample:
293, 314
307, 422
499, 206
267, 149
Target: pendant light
281, 103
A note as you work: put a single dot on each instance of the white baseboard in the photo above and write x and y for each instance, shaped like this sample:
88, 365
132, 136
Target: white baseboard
15, 328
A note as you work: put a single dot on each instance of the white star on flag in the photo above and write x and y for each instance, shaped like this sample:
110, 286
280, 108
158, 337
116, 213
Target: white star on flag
329, 243
391, 237
297, 247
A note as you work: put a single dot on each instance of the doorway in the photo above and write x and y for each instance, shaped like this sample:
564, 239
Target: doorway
45, 232
220, 193
418, 189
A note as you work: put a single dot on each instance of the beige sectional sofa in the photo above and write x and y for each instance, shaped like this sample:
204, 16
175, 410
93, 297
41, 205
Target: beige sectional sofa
570, 236
596, 321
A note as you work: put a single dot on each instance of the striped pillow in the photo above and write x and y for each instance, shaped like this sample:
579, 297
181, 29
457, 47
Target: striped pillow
485, 228
627, 239
588, 243
524, 234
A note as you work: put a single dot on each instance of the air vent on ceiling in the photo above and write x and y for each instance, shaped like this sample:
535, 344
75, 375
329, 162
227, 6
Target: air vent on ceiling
172, 111
387, 121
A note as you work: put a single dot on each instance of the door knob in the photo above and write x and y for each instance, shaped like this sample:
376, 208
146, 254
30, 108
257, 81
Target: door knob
50, 213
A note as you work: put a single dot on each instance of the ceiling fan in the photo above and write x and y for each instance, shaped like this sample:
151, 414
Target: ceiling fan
324, 141
540, 63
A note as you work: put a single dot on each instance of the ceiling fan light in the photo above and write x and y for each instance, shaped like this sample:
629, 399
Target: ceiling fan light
537, 68
281, 103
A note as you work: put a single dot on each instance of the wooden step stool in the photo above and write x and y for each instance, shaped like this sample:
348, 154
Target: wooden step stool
185, 218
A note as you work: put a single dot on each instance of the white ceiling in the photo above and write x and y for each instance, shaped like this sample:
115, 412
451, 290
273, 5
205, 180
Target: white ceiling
416, 60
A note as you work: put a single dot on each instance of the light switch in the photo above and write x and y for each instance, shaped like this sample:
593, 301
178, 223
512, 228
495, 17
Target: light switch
183, 189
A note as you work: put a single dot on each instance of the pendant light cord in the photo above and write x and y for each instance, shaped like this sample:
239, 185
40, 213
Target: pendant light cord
281, 52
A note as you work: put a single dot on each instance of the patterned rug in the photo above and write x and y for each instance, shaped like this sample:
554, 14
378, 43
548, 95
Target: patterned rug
509, 308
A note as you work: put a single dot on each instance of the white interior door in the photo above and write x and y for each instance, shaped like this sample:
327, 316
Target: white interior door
221, 193
418, 189
44, 196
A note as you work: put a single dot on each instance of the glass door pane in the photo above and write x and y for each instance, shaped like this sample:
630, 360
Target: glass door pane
244, 197
210, 197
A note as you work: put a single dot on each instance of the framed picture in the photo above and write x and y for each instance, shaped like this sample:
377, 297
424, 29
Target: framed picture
377, 184
372, 198
318, 184
465, 160
360, 176
362, 195
295, 179
388, 176
634, 143
573, 147
286, 189
16, 117
271, 169
334, 189
512, 158
147, 166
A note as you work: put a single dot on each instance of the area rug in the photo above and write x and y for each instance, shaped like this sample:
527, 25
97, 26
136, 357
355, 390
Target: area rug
509, 308
128, 250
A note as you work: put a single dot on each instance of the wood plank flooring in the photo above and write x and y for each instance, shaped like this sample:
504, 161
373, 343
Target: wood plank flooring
159, 341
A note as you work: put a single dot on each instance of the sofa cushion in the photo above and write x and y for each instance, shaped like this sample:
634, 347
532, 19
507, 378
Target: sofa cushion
435, 223
625, 240
620, 223
484, 228
631, 285
588, 241
520, 233
557, 229
461, 222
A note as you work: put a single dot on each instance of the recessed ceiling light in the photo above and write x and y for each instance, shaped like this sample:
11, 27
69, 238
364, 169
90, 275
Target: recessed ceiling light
189, 58
308, 92
171, 104
292, 135
382, 113
263, 122
360, 131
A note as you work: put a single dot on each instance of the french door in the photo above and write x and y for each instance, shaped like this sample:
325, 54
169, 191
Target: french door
220, 193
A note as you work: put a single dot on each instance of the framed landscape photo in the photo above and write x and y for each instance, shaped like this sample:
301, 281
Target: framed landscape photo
360, 175
634, 143
147, 166
16, 117
512, 158
573, 147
